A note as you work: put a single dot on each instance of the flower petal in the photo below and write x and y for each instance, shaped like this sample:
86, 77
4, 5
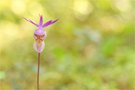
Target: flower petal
41, 21
31, 22
49, 23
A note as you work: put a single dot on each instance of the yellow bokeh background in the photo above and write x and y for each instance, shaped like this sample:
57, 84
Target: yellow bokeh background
91, 47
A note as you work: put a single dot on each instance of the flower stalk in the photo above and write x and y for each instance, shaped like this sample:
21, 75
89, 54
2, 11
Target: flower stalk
38, 71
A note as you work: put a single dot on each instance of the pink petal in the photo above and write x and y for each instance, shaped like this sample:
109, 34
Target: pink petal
49, 23
31, 22
41, 21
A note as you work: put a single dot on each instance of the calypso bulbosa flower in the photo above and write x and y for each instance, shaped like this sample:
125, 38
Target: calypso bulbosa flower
40, 34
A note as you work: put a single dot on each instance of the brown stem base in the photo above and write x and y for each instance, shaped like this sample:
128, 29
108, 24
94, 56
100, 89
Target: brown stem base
38, 71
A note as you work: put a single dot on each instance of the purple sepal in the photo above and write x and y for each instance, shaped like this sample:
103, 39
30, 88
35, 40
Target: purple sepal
41, 21
49, 23
31, 22
41, 25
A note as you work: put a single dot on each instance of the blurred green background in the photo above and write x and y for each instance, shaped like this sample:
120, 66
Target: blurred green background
91, 47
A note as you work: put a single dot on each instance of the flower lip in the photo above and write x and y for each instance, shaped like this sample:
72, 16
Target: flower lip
39, 32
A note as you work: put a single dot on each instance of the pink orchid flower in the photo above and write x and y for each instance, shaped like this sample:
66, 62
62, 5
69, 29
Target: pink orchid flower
40, 34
